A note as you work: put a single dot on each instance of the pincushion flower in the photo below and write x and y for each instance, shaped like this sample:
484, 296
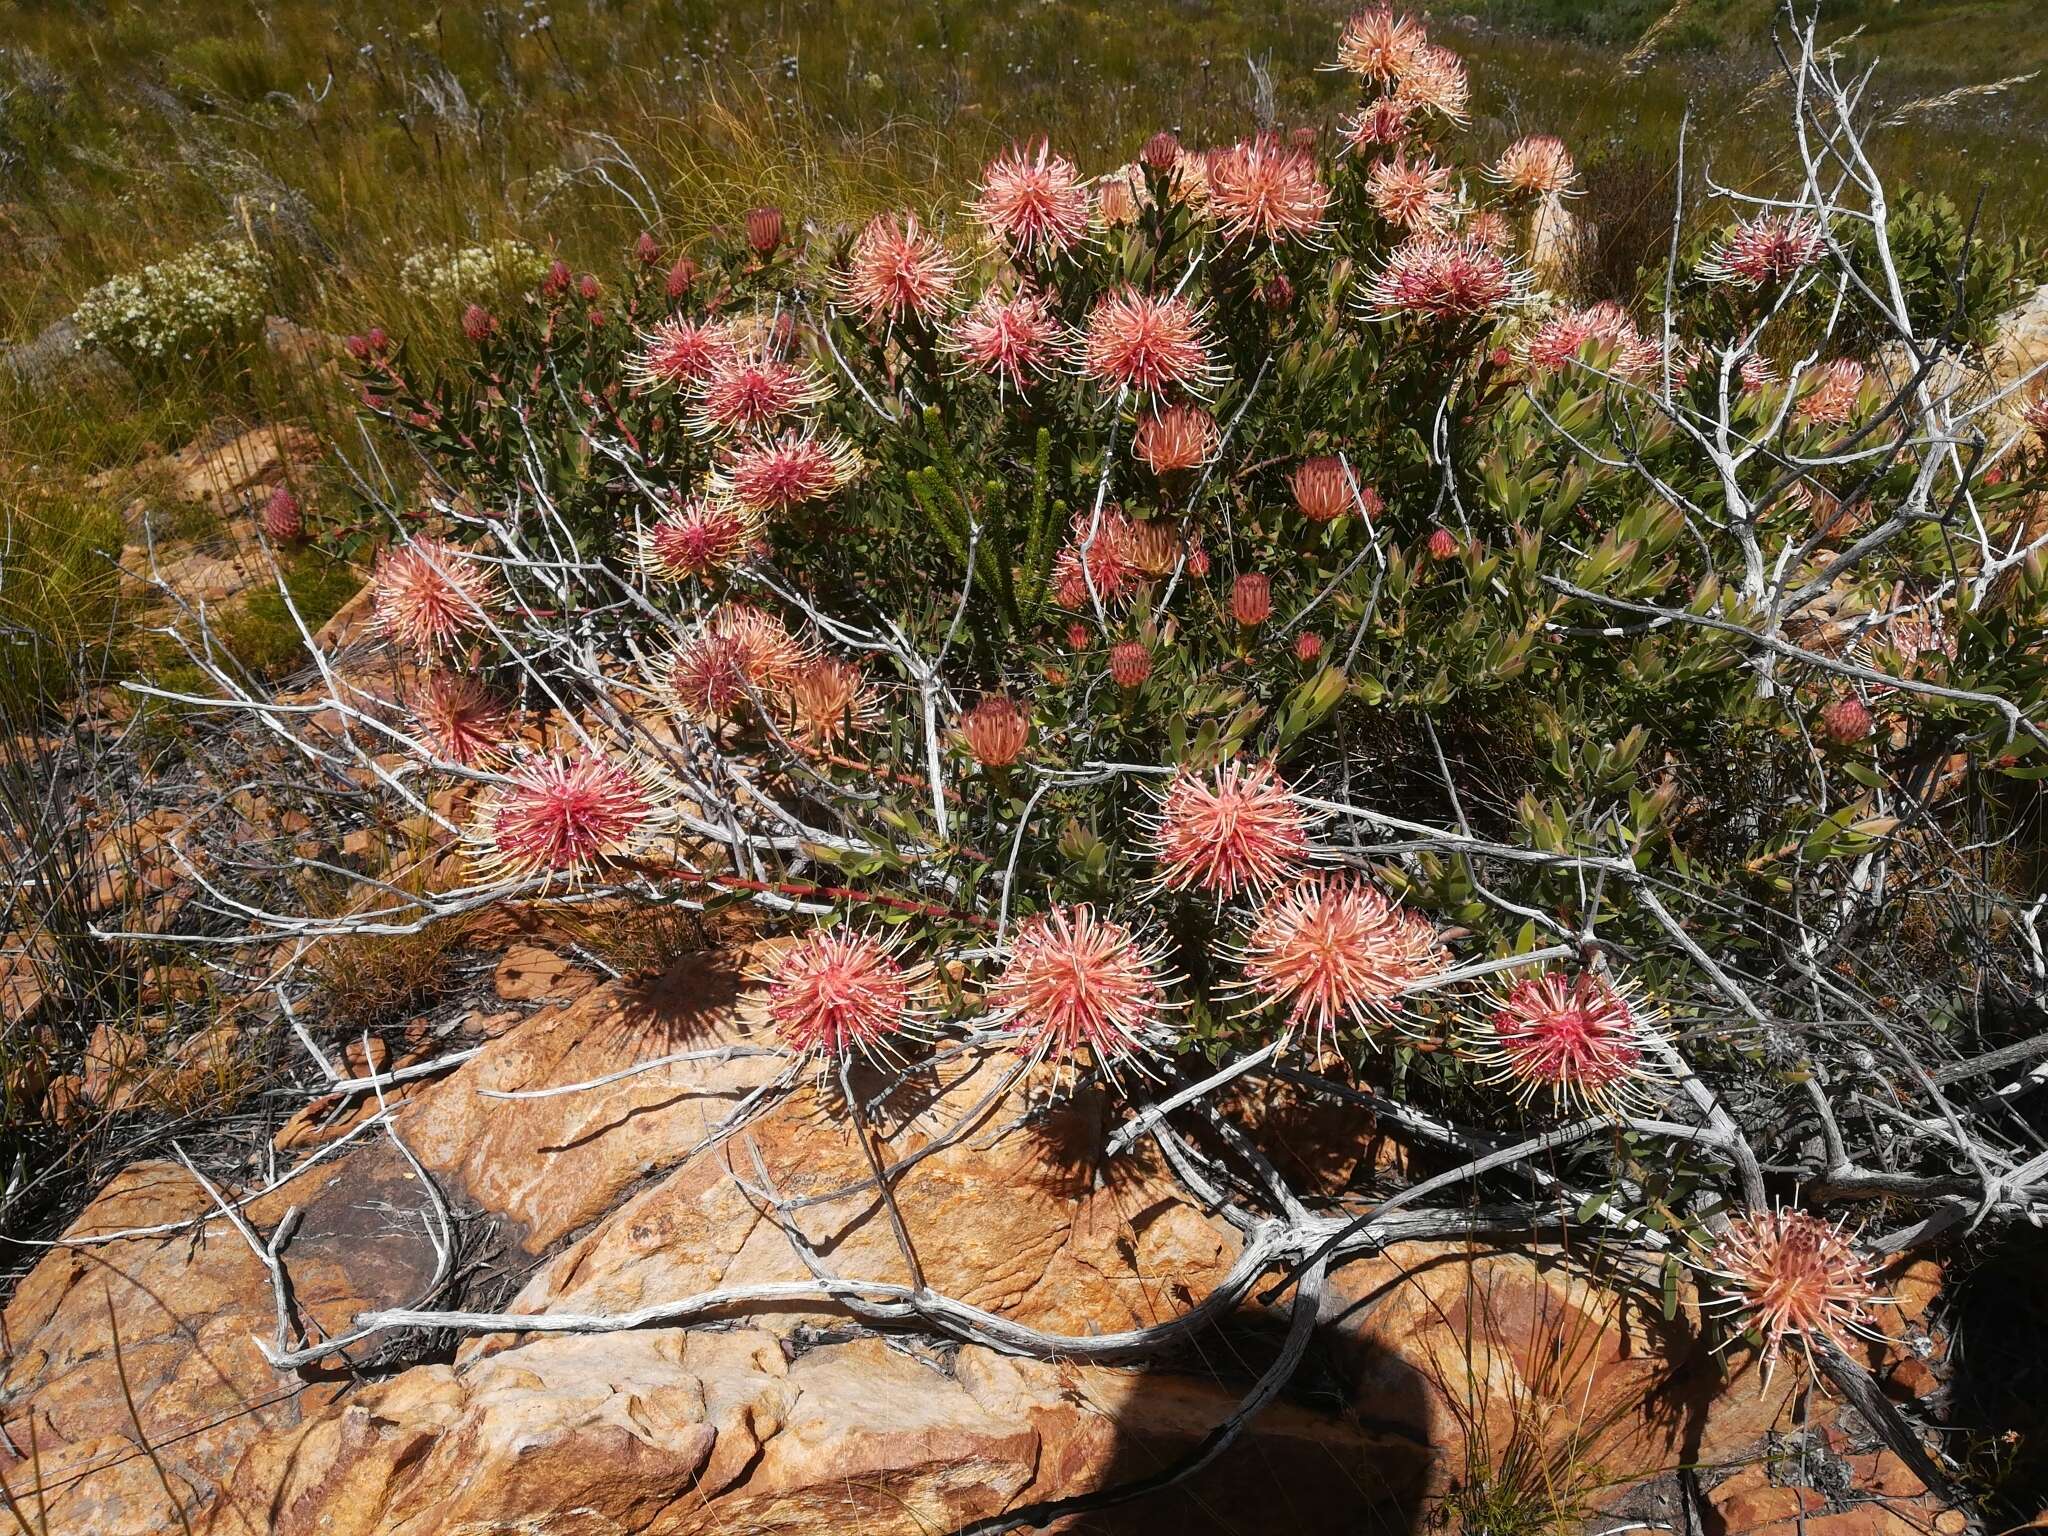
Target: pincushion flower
1768, 248
1435, 81
1177, 439
678, 354
1558, 342
701, 536
995, 731
787, 471
1536, 166
1490, 228
829, 699
1796, 1279
1379, 44
1415, 195
1017, 340
1033, 201
1337, 950
429, 597
1831, 400
897, 271
1072, 982
1377, 124
835, 993
1146, 344
1264, 189
563, 818
746, 392
736, 654
1323, 491
282, 519
1153, 547
458, 719
1579, 1038
1234, 828
1095, 566
1251, 598
1130, 663
1442, 277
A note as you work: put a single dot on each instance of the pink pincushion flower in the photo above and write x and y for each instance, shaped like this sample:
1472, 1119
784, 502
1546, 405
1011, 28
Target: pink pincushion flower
458, 719
1769, 248
1251, 598
787, 471
1034, 202
897, 272
1559, 340
282, 520
1377, 124
1017, 340
1233, 829
563, 818
1442, 277
1338, 950
1147, 344
834, 994
1831, 402
1308, 645
428, 596
1130, 663
1264, 189
1795, 1279
1096, 565
736, 654
1415, 195
1072, 982
1536, 166
1435, 81
1379, 44
745, 393
702, 536
1580, 1038
679, 354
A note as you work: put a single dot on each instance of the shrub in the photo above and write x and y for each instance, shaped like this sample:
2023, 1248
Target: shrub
447, 277
198, 305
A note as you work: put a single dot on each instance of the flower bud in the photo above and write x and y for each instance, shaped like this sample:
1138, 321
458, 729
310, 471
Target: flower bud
1251, 599
764, 231
1130, 663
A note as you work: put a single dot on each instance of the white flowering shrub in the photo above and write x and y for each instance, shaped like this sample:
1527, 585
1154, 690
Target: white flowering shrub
199, 303
443, 276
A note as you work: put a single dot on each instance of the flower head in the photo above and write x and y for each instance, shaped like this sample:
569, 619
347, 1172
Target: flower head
1558, 341
282, 519
1147, 344
996, 731
1380, 122
698, 537
1233, 829
897, 272
1034, 202
1323, 490
744, 393
1846, 721
738, 652
458, 719
1308, 645
1153, 546
1130, 663
428, 596
1536, 166
1438, 277
1336, 950
1435, 81
764, 231
787, 471
1578, 1037
1177, 439
835, 993
1251, 598
1096, 565
1017, 340
1380, 44
1795, 1278
1264, 189
830, 699
678, 354
1832, 399
1768, 248
1415, 195
1073, 982
563, 818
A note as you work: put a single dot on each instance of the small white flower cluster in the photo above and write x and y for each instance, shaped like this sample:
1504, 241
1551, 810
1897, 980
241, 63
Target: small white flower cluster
179, 308
446, 276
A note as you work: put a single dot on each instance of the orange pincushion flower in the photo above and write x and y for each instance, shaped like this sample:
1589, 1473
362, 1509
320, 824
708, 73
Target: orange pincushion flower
428, 596
1795, 1278
1153, 547
897, 271
1415, 195
699, 537
1177, 439
1379, 123
1147, 344
735, 654
563, 818
742, 393
830, 699
1017, 340
1034, 202
1832, 400
1233, 829
1380, 45
1323, 491
1264, 189
787, 471
1336, 950
678, 354
1251, 599
1130, 663
1073, 982
1435, 81
996, 731
1537, 166
458, 719
1095, 566
1580, 1038
834, 994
